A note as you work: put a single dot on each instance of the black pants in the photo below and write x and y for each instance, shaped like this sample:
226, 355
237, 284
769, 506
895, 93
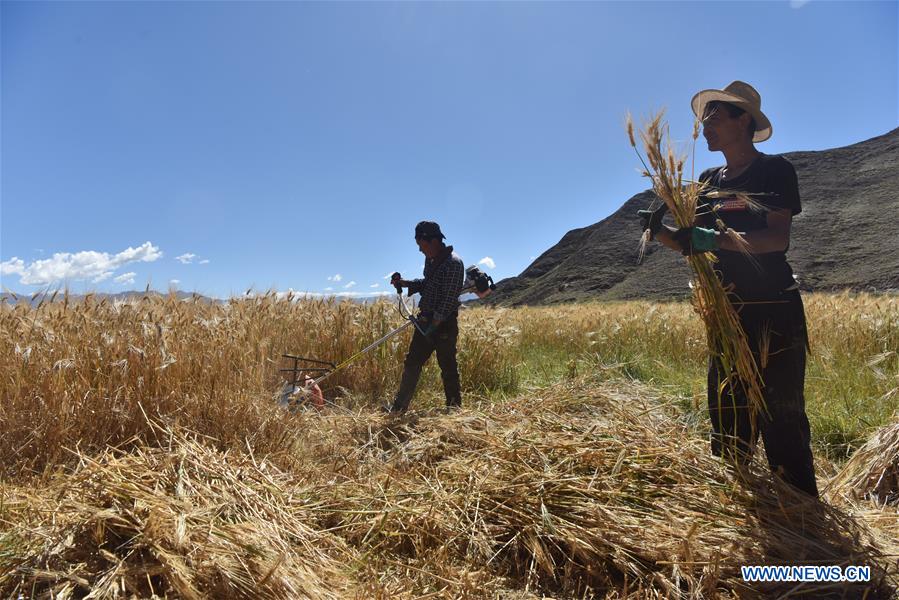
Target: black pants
784, 426
444, 342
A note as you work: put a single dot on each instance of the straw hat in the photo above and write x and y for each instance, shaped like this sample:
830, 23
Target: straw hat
738, 93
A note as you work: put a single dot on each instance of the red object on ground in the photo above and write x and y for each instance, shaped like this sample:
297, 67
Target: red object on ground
315, 393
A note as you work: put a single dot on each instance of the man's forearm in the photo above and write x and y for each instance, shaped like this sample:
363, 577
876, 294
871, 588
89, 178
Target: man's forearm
664, 236
414, 285
442, 312
759, 242
773, 238
446, 307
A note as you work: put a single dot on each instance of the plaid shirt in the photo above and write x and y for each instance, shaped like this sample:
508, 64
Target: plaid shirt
441, 286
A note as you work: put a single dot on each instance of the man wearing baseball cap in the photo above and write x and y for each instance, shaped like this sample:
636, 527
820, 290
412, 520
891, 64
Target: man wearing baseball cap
438, 328
756, 195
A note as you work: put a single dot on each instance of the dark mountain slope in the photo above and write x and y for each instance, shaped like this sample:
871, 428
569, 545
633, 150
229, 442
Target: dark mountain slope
845, 238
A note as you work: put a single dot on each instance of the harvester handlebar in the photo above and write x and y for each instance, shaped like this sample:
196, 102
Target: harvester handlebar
395, 280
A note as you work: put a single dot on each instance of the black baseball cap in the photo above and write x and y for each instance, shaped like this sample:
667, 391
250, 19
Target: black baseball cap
428, 229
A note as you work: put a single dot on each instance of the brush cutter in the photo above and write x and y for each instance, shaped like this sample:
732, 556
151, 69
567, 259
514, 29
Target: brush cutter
302, 382
478, 282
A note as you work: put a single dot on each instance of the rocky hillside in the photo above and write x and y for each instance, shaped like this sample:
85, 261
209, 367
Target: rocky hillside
845, 238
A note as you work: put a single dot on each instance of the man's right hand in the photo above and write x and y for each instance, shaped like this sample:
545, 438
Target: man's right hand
652, 219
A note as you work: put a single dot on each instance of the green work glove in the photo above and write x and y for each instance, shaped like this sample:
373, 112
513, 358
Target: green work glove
695, 240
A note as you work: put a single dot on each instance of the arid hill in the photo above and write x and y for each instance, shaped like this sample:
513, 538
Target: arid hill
845, 238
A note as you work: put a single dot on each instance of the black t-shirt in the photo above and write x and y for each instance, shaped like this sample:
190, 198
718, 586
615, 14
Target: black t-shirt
770, 182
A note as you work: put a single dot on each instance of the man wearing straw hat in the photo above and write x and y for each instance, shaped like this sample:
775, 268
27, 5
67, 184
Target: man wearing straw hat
756, 195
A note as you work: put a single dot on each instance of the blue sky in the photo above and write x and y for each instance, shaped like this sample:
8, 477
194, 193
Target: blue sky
218, 146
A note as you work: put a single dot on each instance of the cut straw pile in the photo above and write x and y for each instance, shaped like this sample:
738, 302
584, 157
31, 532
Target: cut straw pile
580, 490
868, 485
873, 471
181, 521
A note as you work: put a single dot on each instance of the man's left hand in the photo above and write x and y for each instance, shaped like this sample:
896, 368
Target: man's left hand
426, 326
695, 240
431, 328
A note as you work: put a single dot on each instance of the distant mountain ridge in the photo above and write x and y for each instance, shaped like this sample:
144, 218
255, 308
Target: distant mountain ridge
845, 238
35, 299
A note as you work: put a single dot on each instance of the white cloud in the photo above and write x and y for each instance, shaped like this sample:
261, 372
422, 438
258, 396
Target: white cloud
125, 278
186, 258
302, 294
349, 285
13, 266
335, 278
487, 262
328, 289
375, 285
361, 294
146, 252
353, 294
174, 281
88, 264
387, 276
205, 261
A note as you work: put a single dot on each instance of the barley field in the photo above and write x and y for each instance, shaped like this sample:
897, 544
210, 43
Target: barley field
143, 454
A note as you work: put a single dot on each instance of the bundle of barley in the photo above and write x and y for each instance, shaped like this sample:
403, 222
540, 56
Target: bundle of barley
873, 471
182, 521
725, 336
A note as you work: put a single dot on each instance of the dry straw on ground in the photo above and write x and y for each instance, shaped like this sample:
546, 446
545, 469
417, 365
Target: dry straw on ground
873, 471
579, 490
182, 520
